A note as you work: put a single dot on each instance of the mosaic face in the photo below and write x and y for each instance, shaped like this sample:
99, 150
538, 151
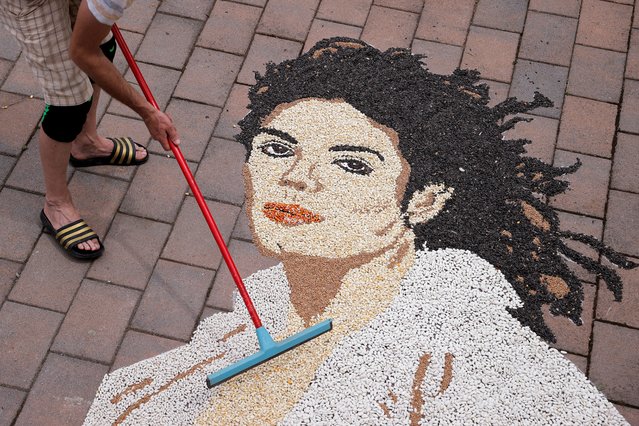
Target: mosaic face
423, 301
322, 171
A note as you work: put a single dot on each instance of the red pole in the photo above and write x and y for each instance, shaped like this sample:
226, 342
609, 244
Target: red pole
192, 184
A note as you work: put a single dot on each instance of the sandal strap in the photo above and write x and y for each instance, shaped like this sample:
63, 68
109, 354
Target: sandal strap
75, 233
123, 153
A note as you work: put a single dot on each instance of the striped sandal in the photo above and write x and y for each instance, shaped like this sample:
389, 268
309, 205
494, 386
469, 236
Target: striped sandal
123, 154
71, 235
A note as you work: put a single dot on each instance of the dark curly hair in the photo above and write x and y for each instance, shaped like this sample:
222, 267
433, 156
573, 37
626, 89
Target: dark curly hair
449, 135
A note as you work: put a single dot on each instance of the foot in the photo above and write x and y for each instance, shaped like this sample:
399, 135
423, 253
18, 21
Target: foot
63, 213
85, 147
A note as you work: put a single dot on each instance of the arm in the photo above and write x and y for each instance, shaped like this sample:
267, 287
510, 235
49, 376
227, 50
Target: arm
87, 35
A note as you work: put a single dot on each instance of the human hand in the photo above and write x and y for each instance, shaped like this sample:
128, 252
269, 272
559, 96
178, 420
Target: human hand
161, 127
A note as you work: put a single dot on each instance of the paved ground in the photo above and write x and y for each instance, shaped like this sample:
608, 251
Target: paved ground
64, 324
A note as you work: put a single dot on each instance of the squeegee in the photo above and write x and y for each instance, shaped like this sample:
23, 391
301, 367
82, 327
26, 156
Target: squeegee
268, 347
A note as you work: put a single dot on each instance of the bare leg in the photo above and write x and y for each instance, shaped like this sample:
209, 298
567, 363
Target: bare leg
58, 205
88, 143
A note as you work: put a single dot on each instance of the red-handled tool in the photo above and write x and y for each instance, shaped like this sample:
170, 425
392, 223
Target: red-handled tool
268, 348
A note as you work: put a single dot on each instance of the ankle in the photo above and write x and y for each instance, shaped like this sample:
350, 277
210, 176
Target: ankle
57, 202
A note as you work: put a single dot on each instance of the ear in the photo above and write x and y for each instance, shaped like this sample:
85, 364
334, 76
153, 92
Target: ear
426, 203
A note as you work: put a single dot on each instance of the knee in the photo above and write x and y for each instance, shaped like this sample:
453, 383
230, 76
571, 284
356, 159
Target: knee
64, 123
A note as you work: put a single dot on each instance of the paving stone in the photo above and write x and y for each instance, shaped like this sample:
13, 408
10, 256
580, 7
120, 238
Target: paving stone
613, 362
50, 278
266, 49
63, 392
173, 300
10, 405
491, 52
353, 12
564, 7
19, 223
117, 126
139, 15
253, 2
446, 21
234, 110
587, 126
9, 273
507, 15
97, 198
96, 321
134, 245
25, 335
625, 311
632, 61
386, 28
208, 77
550, 80
629, 117
27, 173
194, 123
596, 74
580, 361
407, 5
25, 114
133, 41
622, 224
220, 172
191, 240
230, 27
157, 190
6, 165
440, 58
582, 225
242, 230
497, 91
248, 261
5, 68
208, 311
288, 18
326, 29
21, 80
629, 413
138, 346
169, 40
548, 38
624, 167
635, 22
196, 9
9, 48
160, 80
604, 24
571, 337
587, 191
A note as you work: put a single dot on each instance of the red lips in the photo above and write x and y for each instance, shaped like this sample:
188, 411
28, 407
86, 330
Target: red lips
290, 214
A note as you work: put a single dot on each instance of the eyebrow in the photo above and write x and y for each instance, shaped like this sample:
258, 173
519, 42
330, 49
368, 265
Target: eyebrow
354, 148
280, 134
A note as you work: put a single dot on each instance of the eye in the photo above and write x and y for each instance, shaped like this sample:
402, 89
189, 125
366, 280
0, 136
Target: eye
352, 165
276, 149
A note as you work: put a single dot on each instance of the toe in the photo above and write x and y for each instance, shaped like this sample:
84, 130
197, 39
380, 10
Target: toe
140, 153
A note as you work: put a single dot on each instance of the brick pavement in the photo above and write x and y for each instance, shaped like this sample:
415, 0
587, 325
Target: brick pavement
63, 324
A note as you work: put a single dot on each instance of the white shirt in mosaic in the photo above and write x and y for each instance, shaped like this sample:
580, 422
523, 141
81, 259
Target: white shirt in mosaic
483, 366
108, 11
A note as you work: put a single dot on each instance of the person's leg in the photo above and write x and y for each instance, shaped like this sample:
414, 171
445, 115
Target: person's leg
89, 143
35, 24
58, 204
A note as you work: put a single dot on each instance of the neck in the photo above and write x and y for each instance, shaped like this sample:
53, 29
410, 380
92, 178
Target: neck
315, 283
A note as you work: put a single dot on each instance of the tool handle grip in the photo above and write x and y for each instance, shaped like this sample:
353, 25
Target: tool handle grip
191, 181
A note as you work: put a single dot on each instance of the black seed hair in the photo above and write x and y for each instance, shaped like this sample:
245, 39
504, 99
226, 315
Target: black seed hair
449, 135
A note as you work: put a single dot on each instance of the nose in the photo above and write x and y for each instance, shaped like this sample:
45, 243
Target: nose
301, 177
